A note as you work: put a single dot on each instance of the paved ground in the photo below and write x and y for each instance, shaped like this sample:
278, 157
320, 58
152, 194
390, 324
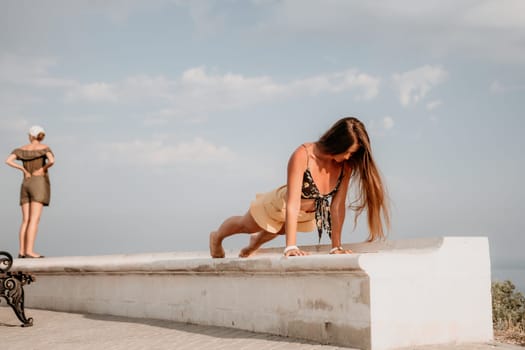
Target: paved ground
61, 331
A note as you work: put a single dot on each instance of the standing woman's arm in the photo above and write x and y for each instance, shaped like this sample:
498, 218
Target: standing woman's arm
338, 211
50, 161
11, 162
296, 168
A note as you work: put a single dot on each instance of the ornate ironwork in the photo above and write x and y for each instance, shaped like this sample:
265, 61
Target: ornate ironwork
12, 287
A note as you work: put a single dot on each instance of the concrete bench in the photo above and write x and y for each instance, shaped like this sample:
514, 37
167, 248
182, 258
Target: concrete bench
388, 294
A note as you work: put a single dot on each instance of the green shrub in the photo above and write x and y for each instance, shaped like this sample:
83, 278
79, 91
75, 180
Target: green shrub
508, 307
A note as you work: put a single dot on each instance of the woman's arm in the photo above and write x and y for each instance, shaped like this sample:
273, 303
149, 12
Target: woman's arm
296, 168
50, 161
338, 212
11, 162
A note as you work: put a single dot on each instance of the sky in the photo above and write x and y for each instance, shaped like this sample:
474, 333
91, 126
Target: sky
168, 116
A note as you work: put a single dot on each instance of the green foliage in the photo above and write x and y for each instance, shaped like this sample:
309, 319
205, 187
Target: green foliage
508, 307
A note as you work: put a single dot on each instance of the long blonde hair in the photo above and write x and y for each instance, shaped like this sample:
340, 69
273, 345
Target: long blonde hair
370, 191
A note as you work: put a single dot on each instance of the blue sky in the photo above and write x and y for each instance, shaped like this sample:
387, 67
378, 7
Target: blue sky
168, 116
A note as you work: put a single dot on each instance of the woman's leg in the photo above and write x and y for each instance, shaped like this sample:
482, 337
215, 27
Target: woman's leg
256, 240
35, 211
231, 226
23, 229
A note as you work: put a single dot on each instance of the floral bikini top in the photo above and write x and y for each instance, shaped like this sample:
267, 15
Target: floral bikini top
323, 219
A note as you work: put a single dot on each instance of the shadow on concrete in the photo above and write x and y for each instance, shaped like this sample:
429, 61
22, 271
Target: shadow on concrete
211, 331
12, 320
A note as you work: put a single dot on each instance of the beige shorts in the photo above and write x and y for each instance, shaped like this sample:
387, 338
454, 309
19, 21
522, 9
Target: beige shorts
35, 189
269, 212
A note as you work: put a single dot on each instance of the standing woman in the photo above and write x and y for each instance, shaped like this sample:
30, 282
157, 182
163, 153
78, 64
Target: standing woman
35, 192
314, 196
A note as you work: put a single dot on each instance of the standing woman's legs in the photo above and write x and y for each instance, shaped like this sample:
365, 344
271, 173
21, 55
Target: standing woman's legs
232, 225
23, 229
35, 211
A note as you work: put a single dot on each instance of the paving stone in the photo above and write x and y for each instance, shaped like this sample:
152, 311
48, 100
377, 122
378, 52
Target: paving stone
65, 331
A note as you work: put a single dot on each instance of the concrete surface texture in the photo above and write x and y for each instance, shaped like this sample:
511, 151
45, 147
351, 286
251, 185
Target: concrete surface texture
386, 295
66, 331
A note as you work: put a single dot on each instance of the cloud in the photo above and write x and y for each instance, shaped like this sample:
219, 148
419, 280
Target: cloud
433, 105
225, 91
206, 17
12, 100
498, 88
131, 89
17, 125
30, 71
381, 126
388, 123
366, 85
84, 118
147, 87
483, 30
233, 90
193, 95
502, 14
414, 85
94, 92
154, 121
159, 152
185, 96
341, 18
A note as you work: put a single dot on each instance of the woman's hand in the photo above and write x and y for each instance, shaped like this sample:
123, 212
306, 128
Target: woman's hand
39, 172
27, 174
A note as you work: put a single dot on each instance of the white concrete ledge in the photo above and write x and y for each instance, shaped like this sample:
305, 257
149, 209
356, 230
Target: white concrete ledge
388, 294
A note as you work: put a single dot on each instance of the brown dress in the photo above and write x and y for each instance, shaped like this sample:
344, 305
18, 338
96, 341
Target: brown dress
35, 188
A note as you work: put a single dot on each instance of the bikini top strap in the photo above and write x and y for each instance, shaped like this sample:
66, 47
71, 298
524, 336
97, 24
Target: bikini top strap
307, 156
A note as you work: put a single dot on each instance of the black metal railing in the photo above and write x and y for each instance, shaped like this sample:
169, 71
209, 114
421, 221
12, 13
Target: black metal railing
12, 287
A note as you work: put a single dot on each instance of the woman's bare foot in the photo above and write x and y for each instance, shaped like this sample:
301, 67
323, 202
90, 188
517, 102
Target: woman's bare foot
251, 248
216, 250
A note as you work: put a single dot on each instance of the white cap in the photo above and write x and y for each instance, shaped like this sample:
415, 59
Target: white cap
35, 130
